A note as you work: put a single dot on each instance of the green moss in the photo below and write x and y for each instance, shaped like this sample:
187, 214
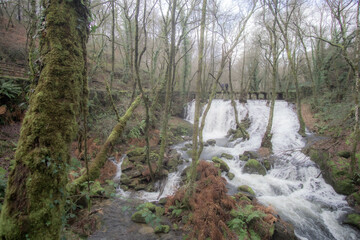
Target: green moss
353, 219
247, 189
223, 166
159, 211
139, 216
162, 229
254, 167
136, 152
227, 156
230, 175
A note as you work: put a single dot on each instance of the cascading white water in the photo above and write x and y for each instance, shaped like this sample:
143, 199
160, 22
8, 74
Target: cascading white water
291, 186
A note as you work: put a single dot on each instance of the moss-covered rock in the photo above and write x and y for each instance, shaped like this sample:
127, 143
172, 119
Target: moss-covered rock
211, 142
230, 175
267, 164
353, 219
139, 216
148, 205
223, 166
246, 189
254, 167
136, 152
227, 156
162, 229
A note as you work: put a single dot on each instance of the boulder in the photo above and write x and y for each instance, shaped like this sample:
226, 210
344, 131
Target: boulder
136, 152
223, 166
139, 216
267, 164
246, 189
211, 142
254, 167
230, 175
227, 156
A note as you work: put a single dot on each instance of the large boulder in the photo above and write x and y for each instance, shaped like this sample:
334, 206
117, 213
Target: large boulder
211, 142
254, 167
222, 165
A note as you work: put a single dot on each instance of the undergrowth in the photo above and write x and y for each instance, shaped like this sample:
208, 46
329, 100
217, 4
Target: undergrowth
213, 214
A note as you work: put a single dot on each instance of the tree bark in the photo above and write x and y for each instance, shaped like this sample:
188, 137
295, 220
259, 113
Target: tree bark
35, 196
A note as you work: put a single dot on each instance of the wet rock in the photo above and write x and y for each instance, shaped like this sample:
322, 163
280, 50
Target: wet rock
251, 155
124, 179
254, 167
223, 166
264, 152
126, 165
246, 189
211, 142
162, 229
230, 175
227, 156
353, 219
267, 164
284, 231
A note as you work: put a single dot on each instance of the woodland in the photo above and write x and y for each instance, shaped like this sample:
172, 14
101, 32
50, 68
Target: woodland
82, 83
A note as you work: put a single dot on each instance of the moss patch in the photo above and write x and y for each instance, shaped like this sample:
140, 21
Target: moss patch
254, 167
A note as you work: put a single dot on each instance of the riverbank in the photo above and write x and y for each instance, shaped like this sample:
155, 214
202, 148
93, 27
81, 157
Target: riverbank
331, 150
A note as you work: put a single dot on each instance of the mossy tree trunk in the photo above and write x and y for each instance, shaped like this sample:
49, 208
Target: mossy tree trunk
35, 196
101, 157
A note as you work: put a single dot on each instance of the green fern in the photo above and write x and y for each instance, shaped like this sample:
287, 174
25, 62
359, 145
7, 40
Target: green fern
9, 89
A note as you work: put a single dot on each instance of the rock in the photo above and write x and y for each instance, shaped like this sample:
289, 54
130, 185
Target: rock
223, 166
243, 157
354, 200
267, 164
227, 156
134, 183
162, 229
284, 231
146, 230
344, 154
251, 154
162, 201
148, 205
188, 145
127, 165
211, 142
246, 189
230, 175
254, 167
139, 216
124, 179
134, 173
140, 187
136, 152
353, 219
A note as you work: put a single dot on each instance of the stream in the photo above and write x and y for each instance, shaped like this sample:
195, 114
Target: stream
292, 186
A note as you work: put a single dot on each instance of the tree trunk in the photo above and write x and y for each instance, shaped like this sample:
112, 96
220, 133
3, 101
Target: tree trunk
194, 156
168, 77
101, 157
35, 196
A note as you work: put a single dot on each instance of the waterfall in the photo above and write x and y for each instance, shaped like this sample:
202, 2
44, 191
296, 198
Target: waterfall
291, 186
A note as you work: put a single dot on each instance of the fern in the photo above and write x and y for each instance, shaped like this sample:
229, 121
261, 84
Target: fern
9, 89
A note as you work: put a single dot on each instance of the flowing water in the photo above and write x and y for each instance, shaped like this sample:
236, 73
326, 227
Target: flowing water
292, 186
